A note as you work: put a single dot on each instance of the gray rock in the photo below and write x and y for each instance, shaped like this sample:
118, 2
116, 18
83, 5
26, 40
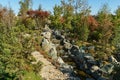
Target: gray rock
82, 50
46, 35
88, 57
45, 44
108, 68
52, 52
91, 48
46, 29
56, 32
58, 35
99, 63
100, 78
90, 79
74, 78
112, 59
75, 50
66, 69
67, 45
76, 54
61, 52
66, 66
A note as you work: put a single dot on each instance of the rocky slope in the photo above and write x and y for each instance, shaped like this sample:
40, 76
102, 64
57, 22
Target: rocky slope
63, 51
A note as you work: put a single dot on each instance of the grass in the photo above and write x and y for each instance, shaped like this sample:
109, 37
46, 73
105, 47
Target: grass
31, 76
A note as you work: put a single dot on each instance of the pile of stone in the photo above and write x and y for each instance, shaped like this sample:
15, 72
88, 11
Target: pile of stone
84, 60
50, 48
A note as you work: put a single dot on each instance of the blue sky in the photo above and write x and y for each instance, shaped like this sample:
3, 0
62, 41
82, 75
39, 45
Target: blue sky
49, 4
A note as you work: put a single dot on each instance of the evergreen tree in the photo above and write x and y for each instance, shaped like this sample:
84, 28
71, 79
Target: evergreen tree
105, 24
25, 5
56, 18
116, 21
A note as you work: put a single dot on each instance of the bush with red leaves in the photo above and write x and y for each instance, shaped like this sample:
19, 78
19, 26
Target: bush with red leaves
38, 14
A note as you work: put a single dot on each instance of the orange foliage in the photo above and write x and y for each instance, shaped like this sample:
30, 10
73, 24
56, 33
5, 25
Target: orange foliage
93, 24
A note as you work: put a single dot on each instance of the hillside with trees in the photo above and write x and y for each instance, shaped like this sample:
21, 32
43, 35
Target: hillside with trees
70, 40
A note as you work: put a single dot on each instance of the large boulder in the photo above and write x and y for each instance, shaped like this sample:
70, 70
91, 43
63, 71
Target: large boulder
53, 52
45, 44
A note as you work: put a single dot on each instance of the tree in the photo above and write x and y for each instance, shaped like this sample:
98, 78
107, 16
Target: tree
116, 22
40, 7
80, 21
7, 18
40, 17
105, 24
93, 24
25, 5
68, 11
56, 18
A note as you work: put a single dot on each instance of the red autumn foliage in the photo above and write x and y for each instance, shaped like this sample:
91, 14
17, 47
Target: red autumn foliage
40, 14
93, 24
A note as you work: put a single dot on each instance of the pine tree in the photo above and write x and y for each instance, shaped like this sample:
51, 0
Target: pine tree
105, 24
116, 39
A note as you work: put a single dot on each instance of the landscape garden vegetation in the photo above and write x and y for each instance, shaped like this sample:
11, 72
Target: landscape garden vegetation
20, 35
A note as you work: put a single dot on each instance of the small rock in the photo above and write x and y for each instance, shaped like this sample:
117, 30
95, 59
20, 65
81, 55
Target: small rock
46, 35
26, 35
94, 68
112, 59
67, 45
108, 68
60, 61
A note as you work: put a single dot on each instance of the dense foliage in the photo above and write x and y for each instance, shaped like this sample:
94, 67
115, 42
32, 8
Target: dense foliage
15, 48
